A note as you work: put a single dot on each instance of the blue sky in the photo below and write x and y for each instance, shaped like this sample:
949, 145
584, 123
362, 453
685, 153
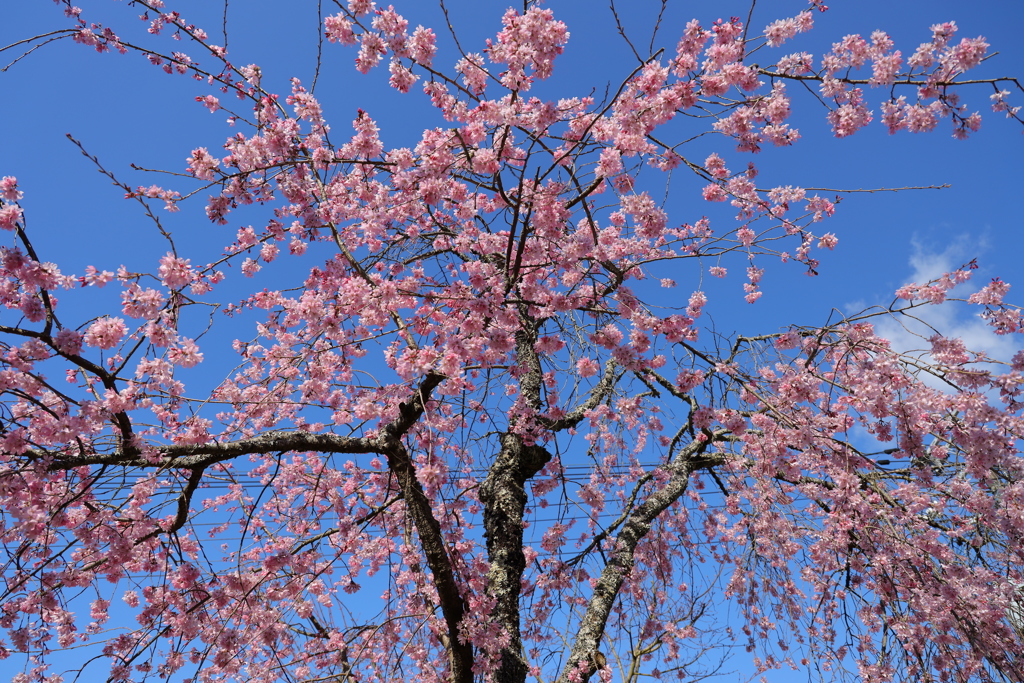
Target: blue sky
126, 111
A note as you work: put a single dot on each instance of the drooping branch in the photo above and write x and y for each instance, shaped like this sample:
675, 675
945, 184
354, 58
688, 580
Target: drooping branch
918, 82
453, 607
388, 442
584, 658
597, 394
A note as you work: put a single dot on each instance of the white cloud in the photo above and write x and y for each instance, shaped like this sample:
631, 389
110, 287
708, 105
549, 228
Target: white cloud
909, 332
929, 264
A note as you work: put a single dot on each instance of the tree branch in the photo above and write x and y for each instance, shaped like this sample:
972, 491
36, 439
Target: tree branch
191, 456
453, 607
583, 659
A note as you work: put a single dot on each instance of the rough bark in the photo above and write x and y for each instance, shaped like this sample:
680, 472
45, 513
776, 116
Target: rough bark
191, 456
503, 495
453, 607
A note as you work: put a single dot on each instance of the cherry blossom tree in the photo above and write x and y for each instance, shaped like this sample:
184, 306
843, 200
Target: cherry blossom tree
464, 437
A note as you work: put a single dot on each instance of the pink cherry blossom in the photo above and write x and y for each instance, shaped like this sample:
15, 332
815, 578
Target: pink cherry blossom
106, 333
174, 272
530, 41
202, 164
474, 75
68, 341
587, 367
423, 46
828, 241
782, 30
339, 30
10, 215
9, 188
991, 294
402, 78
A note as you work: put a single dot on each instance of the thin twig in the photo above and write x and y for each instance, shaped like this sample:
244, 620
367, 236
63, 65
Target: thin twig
944, 186
32, 49
622, 32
